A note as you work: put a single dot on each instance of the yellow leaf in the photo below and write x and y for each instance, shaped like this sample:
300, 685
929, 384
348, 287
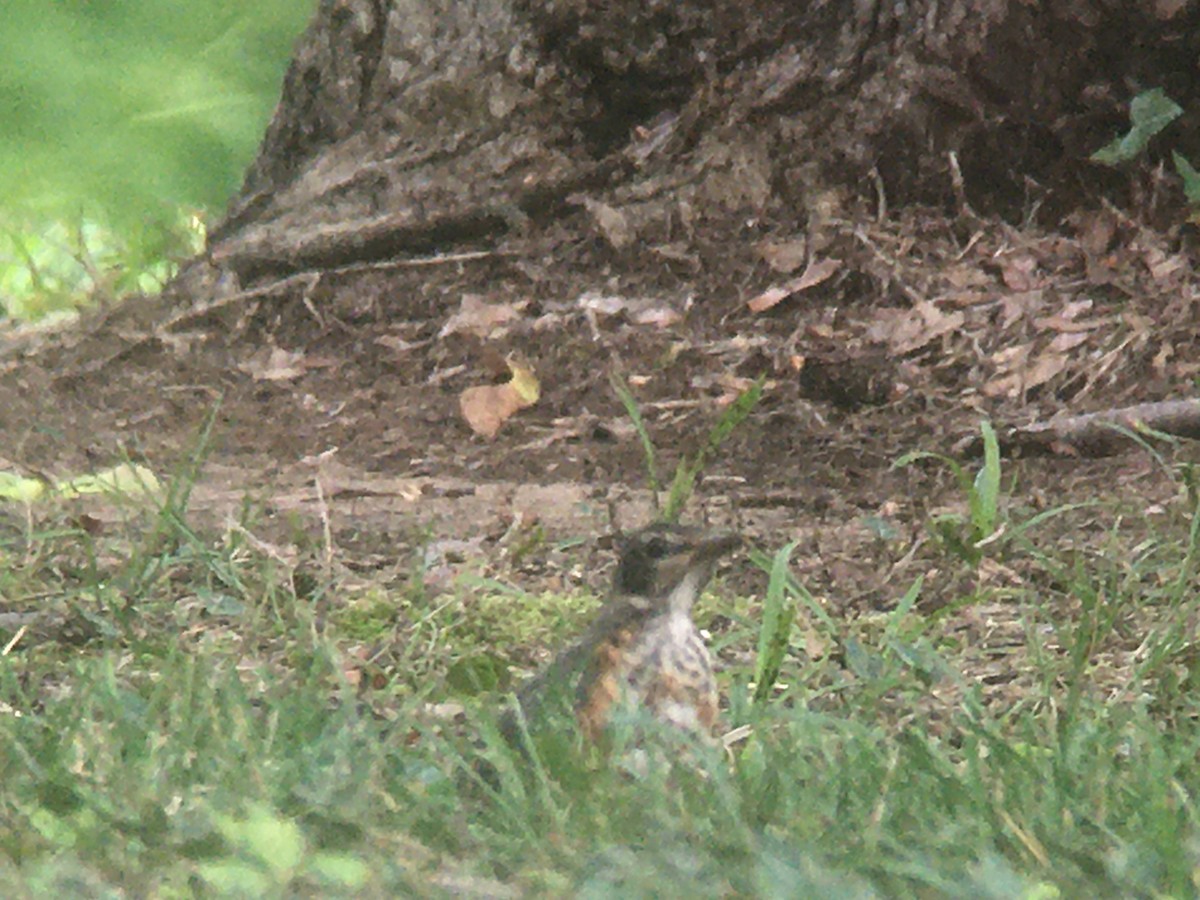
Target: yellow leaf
24, 490
524, 382
486, 407
127, 478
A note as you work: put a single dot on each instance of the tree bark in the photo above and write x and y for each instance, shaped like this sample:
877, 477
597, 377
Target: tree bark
412, 126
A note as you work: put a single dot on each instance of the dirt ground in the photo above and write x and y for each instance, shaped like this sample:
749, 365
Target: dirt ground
337, 394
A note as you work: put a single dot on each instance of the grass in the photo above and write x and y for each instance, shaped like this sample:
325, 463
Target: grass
201, 723
53, 268
689, 467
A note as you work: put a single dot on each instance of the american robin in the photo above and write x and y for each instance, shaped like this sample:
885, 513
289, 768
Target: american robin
643, 649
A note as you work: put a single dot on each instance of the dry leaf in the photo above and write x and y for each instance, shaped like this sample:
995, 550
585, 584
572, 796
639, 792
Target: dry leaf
1164, 354
816, 272
486, 407
1020, 304
1097, 229
913, 329
397, 344
965, 275
274, 364
613, 223
660, 316
1045, 366
480, 318
602, 304
1022, 370
1164, 268
784, 257
1019, 271
1168, 9
1068, 340
640, 310
1066, 320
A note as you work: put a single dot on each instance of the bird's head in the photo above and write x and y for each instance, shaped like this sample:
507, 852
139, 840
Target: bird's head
667, 566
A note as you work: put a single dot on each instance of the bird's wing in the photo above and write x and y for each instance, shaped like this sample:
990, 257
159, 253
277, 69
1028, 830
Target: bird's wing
555, 679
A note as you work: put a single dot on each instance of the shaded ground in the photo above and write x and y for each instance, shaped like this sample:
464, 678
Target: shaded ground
337, 395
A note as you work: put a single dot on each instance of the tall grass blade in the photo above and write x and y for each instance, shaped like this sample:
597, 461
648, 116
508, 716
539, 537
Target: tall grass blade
621, 389
779, 613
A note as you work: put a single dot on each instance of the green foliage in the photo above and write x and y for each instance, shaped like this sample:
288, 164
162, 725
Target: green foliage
625, 395
688, 469
269, 855
1190, 176
779, 613
1149, 113
51, 268
966, 536
124, 121
137, 108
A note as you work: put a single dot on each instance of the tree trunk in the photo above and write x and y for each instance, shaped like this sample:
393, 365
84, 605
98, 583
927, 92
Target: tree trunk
419, 125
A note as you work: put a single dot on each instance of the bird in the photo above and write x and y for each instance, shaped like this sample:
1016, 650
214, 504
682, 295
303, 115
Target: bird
643, 650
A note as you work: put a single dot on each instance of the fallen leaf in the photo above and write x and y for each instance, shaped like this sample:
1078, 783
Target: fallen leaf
821, 330
480, 318
677, 251
1021, 370
1097, 228
909, 330
640, 310
1004, 386
613, 223
1019, 271
1068, 340
1168, 9
1164, 354
16, 487
603, 304
965, 275
816, 272
1067, 319
127, 479
659, 316
1045, 366
274, 364
784, 257
486, 407
524, 382
1019, 305
1163, 268
397, 344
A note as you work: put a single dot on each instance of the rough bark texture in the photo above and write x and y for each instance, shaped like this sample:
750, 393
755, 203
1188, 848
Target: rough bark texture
413, 125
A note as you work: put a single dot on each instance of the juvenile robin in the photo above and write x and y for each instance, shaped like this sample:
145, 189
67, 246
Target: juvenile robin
643, 649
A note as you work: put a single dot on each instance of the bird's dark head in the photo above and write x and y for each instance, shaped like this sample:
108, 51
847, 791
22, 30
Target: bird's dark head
670, 563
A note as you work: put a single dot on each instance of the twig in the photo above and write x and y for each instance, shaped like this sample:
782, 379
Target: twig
1099, 433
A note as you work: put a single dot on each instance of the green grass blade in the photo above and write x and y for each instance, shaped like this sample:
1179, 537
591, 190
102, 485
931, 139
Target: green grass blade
985, 493
621, 389
960, 474
687, 471
779, 613
904, 607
